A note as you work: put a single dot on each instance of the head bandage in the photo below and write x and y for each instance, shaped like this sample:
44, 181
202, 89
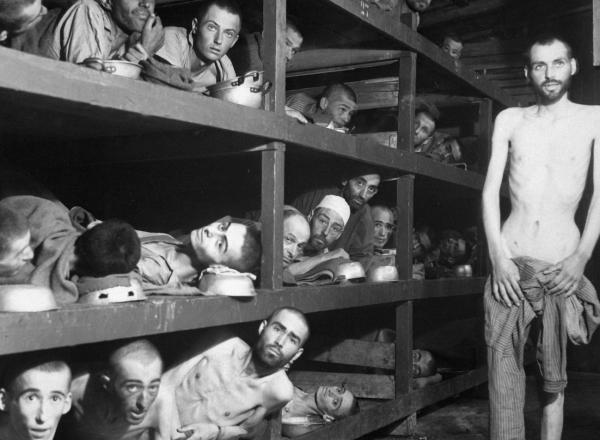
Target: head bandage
336, 203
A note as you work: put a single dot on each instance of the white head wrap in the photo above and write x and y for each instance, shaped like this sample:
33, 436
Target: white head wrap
338, 204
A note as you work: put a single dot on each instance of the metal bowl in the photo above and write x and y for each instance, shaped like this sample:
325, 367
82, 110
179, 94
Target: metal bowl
116, 67
383, 274
226, 284
26, 298
247, 89
463, 271
351, 271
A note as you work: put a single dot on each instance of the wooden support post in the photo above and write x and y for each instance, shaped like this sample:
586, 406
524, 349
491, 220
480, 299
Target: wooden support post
406, 100
273, 159
485, 124
405, 207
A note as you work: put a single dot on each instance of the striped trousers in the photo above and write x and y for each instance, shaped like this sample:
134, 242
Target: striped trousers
507, 329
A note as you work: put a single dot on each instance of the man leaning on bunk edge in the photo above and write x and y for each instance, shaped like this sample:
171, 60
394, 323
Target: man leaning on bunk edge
548, 147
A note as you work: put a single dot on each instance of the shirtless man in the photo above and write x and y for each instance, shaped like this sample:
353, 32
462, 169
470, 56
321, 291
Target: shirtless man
115, 404
226, 391
548, 148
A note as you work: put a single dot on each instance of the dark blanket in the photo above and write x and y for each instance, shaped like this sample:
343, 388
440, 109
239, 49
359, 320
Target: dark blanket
52, 239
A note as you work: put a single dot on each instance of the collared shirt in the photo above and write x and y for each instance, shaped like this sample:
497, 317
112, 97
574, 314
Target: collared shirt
86, 30
178, 49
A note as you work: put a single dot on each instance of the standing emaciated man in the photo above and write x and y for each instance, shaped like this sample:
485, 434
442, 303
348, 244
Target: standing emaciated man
538, 255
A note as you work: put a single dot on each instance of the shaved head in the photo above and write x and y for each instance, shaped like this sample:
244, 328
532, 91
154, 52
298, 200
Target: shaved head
141, 350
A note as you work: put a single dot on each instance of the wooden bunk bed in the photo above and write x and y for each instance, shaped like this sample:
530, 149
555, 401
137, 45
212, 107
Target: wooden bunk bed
92, 117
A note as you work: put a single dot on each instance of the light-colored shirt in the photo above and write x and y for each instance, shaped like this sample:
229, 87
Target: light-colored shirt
178, 49
87, 30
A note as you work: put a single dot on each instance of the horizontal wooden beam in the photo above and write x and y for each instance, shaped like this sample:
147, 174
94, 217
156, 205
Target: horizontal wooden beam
454, 13
351, 352
379, 415
307, 61
80, 324
495, 47
363, 386
414, 41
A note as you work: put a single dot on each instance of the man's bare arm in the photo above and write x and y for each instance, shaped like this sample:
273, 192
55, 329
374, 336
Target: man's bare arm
570, 270
505, 275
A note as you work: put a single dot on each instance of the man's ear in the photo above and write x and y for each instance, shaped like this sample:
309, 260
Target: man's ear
3, 35
574, 66
328, 418
4, 397
194, 25
323, 103
106, 4
237, 37
104, 381
68, 402
526, 72
262, 326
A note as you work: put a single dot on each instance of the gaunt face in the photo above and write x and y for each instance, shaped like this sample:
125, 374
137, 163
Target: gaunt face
215, 34
335, 401
360, 190
550, 71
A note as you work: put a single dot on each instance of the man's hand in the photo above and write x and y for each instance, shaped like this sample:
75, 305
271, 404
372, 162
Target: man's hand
210, 431
153, 35
505, 282
337, 253
568, 275
296, 115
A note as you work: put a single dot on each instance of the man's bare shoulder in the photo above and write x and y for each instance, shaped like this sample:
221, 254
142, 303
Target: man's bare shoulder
280, 387
511, 115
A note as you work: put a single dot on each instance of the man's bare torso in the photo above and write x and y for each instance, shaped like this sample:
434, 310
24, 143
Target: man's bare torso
548, 161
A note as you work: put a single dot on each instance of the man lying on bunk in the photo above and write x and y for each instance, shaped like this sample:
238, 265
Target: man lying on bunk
309, 411
434, 144
296, 233
247, 55
327, 222
115, 403
226, 390
334, 108
357, 237
34, 395
15, 242
106, 29
203, 50
172, 266
26, 24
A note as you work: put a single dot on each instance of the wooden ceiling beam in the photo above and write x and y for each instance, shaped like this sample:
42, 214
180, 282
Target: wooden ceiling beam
447, 15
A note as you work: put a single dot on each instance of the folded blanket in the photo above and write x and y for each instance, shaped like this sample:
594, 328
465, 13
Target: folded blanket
324, 273
52, 239
157, 72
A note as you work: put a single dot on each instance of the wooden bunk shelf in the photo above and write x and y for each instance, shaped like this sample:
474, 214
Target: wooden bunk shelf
377, 416
78, 324
414, 41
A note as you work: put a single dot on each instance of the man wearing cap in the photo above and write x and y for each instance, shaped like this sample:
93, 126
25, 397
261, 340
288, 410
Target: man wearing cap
327, 223
357, 236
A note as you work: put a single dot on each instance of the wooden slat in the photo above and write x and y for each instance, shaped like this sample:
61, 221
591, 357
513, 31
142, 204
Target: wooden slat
363, 386
492, 61
79, 324
378, 416
517, 45
453, 14
351, 352
307, 61
596, 32
414, 41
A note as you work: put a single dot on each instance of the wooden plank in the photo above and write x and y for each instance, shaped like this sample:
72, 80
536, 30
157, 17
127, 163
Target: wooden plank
407, 80
272, 190
363, 386
596, 32
517, 45
414, 41
387, 138
307, 61
79, 324
378, 416
454, 14
490, 61
351, 352
273, 52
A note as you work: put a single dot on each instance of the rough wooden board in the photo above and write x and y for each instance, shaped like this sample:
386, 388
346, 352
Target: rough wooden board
351, 352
